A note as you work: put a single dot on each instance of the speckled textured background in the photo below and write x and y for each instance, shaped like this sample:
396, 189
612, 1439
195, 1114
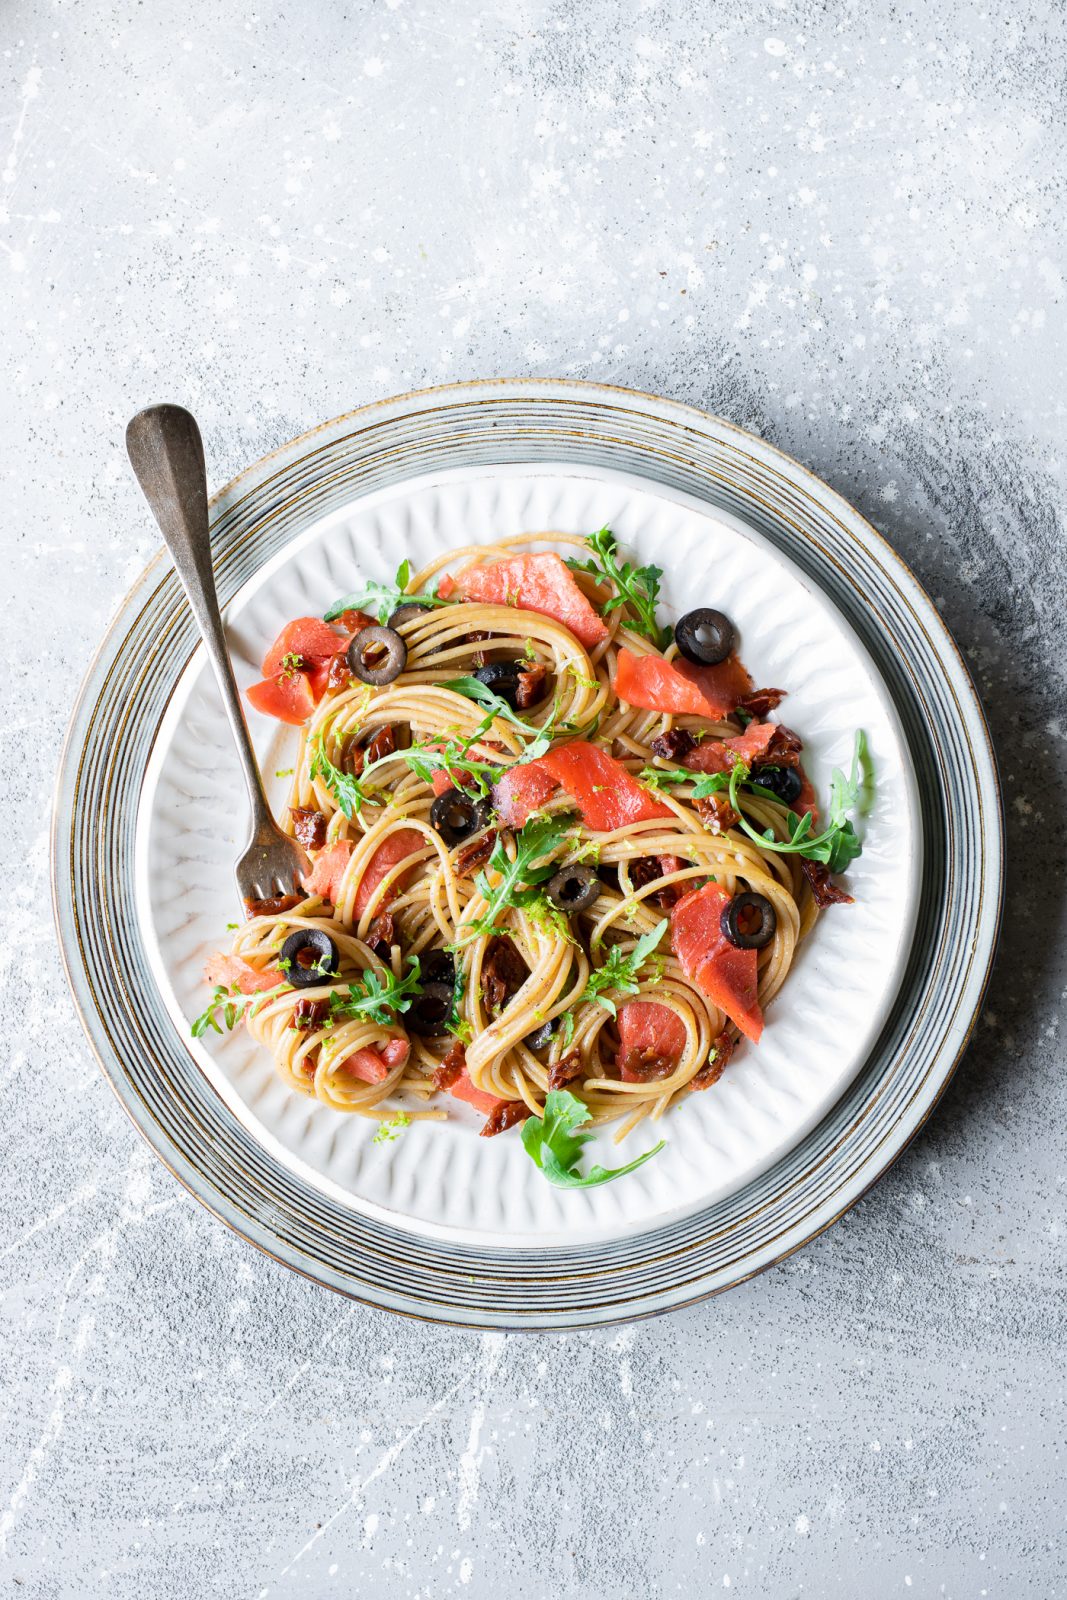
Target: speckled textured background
840, 225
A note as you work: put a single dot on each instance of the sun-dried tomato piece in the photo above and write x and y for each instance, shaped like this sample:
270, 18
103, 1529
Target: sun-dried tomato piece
383, 744
381, 935
272, 907
309, 826
722, 1048
645, 1066
503, 972
716, 813
674, 745
452, 1067
646, 869
565, 1070
784, 748
825, 891
354, 621
761, 701
353, 757
506, 1115
475, 855
531, 685
338, 675
309, 1015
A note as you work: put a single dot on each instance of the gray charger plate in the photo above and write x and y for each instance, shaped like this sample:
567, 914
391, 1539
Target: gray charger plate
115, 723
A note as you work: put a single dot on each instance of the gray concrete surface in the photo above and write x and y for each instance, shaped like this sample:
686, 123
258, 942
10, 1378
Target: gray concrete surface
841, 225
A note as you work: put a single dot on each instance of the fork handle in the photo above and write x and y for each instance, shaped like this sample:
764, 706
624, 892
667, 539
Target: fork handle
167, 455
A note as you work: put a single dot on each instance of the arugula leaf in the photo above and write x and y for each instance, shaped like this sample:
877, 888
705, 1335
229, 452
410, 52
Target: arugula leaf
207, 1018
637, 587
554, 1144
382, 599
376, 997
475, 689
537, 839
346, 790
838, 845
704, 783
453, 760
619, 972
234, 1005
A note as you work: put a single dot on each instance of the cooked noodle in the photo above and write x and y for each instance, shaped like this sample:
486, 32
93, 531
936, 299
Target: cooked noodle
432, 904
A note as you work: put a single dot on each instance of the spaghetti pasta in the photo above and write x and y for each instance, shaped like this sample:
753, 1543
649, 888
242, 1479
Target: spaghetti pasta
635, 999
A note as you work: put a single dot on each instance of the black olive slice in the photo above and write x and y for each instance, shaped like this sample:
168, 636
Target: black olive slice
541, 1036
404, 613
785, 782
437, 966
457, 816
704, 637
428, 1015
309, 957
573, 889
748, 921
503, 678
377, 655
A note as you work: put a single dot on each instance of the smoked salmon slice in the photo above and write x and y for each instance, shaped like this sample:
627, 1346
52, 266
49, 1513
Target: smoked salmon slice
650, 1036
327, 873
303, 661
389, 853
464, 1089
288, 696
328, 870
522, 791
374, 1063
541, 583
678, 687
313, 640
234, 972
727, 975
607, 796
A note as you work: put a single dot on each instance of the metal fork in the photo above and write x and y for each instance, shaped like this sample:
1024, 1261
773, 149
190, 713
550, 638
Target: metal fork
167, 455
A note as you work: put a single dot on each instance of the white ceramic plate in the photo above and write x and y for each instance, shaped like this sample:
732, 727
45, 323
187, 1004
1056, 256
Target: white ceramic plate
441, 1178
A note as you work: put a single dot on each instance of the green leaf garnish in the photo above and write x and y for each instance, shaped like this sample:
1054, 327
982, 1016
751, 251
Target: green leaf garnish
346, 790
388, 1131
474, 689
704, 783
497, 706
619, 972
554, 1144
378, 997
637, 587
538, 838
208, 1019
455, 762
233, 1005
838, 845
382, 599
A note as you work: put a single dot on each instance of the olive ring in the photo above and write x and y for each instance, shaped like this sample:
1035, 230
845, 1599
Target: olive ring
748, 921
309, 957
377, 655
